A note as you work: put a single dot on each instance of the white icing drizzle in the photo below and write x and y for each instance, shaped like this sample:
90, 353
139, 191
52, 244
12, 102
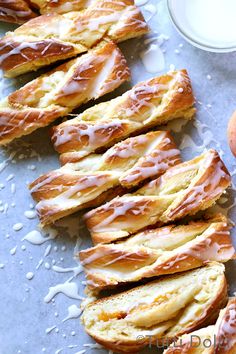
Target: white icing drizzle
5, 163
30, 214
152, 9
140, 203
39, 264
145, 97
69, 289
73, 312
17, 226
13, 251
93, 346
141, 2
133, 160
50, 329
36, 238
153, 59
76, 270
47, 250
30, 275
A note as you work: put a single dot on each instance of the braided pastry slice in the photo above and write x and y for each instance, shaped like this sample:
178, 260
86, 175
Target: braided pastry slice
20, 11
58, 92
61, 6
158, 312
167, 250
49, 38
217, 339
100, 177
183, 190
148, 104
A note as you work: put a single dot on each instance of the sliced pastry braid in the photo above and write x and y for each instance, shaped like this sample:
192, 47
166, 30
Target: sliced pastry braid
156, 252
49, 38
15, 11
61, 6
63, 89
216, 339
100, 177
158, 312
146, 105
183, 190
20, 11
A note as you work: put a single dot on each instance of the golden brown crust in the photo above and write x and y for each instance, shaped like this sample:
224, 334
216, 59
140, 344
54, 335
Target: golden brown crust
126, 165
119, 321
183, 190
156, 252
217, 339
15, 11
63, 89
147, 104
49, 38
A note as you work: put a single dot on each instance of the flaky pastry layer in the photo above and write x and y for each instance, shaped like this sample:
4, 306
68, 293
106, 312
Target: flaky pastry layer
183, 190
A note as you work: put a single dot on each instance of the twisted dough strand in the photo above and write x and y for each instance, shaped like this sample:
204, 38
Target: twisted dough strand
49, 38
146, 105
183, 190
167, 250
63, 89
100, 177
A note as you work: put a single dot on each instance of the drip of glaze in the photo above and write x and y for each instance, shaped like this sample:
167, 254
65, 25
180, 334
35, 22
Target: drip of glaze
141, 2
68, 289
13, 251
177, 125
29, 275
93, 346
48, 250
17, 226
187, 142
153, 59
36, 238
76, 270
150, 8
30, 214
5, 163
39, 264
73, 312
50, 329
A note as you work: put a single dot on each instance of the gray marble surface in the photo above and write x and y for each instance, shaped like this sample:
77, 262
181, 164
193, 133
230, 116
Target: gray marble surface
24, 316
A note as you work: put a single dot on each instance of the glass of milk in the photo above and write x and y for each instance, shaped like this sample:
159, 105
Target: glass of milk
207, 24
